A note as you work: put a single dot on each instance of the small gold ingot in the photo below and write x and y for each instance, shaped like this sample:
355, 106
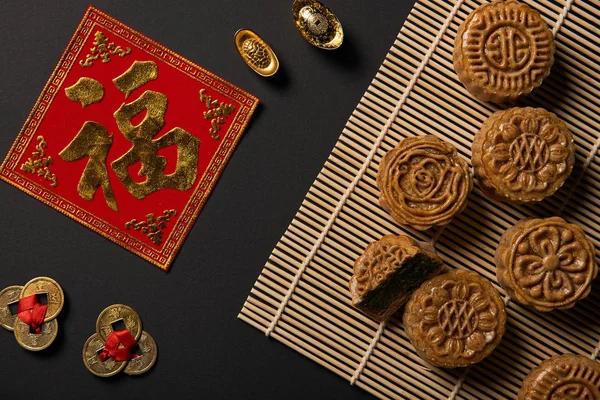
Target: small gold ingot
317, 24
256, 52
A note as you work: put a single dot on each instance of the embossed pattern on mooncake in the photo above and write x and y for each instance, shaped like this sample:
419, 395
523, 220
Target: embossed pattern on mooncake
424, 182
388, 271
455, 319
503, 51
546, 264
522, 155
566, 377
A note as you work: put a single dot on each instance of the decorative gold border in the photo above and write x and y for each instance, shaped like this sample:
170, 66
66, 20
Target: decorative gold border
188, 216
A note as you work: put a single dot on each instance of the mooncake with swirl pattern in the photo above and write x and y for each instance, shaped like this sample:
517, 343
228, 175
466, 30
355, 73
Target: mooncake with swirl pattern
424, 182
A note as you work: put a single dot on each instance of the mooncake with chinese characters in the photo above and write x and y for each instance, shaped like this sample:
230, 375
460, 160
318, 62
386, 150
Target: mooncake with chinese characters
503, 51
388, 271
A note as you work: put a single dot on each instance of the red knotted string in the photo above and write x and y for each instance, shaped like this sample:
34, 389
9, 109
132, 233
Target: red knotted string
113, 351
31, 312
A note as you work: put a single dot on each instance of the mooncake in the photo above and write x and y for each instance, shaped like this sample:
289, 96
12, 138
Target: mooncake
546, 264
455, 319
503, 51
522, 155
563, 378
388, 271
423, 182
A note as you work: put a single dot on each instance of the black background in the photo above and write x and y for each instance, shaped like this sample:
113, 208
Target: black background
204, 350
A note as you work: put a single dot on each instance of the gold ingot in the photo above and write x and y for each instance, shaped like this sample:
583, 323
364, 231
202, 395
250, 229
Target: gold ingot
8, 296
94, 364
256, 52
34, 341
145, 361
53, 291
317, 24
115, 313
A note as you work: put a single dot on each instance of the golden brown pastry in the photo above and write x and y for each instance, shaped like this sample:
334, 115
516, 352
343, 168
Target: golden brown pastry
423, 182
503, 51
388, 271
546, 264
522, 155
455, 319
563, 378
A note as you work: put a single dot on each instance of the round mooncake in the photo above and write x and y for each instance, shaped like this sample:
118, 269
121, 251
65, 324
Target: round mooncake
423, 182
388, 271
562, 378
522, 155
503, 51
546, 264
455, 319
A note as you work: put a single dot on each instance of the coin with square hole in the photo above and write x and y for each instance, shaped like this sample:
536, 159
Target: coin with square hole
144, 357
9, 301
91, 350
49, 292
118, 317
36, 341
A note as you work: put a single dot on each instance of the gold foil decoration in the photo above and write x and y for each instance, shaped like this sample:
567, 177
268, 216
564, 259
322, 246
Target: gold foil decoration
152, 227
146, 150
317, 24
86, 91
103, 49
217, 113
92, 141
39, 163
140, 73
256, 53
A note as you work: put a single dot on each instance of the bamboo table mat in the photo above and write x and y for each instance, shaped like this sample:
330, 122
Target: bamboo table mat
301, 297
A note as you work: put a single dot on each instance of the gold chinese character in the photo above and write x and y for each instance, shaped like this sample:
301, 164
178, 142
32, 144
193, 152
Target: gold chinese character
92, 141
145, 149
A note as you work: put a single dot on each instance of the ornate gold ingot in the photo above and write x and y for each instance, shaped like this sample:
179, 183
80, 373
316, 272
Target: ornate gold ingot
317, 24
256, 52
455, 319
8, 296
140, 73
546, 264
115, 313
147, 359
32, 341
522, 155
94, 364
53, 292
86, 91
